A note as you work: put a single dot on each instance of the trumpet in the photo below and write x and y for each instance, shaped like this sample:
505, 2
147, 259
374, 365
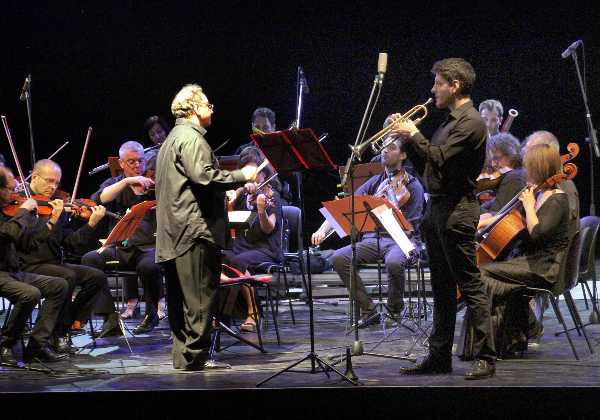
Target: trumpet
380, 140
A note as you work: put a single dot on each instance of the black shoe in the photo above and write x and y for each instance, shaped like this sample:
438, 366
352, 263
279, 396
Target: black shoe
147, 324
208, 365
428, 366
7, 355
482, 369
64, 345
111, 327
44, 354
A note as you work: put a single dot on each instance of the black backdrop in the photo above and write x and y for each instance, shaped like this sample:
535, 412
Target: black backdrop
112, 65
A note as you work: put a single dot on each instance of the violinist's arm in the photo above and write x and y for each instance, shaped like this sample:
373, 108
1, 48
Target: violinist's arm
321, 233
267, 222
110, 192
484, 220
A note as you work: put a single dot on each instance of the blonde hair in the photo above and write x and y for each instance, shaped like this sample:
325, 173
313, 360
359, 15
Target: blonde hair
541, 161
183, 104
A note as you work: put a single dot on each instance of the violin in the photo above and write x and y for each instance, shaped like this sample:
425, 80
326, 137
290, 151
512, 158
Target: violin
80, 208
398, 185
264, 188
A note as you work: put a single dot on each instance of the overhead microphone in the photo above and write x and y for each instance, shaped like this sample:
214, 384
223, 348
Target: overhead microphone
571, 49
25, 88
382, 65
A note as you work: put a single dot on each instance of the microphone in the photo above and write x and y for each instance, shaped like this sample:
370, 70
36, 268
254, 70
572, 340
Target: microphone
382, 65
569, 51
25, 88
303, 80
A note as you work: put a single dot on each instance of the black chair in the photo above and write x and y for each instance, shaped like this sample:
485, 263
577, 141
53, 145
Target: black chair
587, 266
292, 253
567, 280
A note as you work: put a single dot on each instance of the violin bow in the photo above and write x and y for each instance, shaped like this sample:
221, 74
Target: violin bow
15, 157
85, 146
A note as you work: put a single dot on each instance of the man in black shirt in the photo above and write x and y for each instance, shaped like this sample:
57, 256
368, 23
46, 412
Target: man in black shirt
48, 257
119, 194
450, 164
191, 224
25, 290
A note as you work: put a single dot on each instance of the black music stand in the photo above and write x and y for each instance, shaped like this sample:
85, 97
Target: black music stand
299, 150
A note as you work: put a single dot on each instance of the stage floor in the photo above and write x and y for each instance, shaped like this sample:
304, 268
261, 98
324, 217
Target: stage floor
112, 367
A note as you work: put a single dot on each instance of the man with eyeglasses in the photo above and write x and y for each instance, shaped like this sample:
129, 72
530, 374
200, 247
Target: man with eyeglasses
119, 194
192, 225
25, 290
48, 257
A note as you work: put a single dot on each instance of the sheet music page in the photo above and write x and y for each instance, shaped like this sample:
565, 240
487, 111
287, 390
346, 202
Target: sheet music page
389, 222
238, 216
332, 222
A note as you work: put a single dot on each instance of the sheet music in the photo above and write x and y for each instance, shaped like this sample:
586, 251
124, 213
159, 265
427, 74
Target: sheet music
239, 216
332, 222
391, 225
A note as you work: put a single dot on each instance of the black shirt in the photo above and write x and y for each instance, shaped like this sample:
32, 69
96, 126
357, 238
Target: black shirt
512, 182
11, 232
453, 159
144, 237
190, 192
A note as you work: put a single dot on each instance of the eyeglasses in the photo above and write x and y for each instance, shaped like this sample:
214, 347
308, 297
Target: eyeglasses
51, 181
132, 162
497, 157
208, 105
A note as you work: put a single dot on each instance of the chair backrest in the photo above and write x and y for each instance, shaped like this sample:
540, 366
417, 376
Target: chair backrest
570, 269
292, 217
587, 264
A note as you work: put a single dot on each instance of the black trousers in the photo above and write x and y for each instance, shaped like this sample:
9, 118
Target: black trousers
192, 286
449, 228
366, 253
90, 279
25, 290
131, 258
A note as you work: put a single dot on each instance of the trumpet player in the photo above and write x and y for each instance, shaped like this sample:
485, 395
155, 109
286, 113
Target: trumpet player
450, 163
404, 191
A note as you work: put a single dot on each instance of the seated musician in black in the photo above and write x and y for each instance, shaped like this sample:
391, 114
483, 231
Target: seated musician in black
261, 243
25, 290
546, 242
118, 194
155, 131
505, 154
391, 184
48, 257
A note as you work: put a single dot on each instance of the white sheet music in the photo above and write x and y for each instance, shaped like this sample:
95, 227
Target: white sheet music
389, 222
239, 216
332, 222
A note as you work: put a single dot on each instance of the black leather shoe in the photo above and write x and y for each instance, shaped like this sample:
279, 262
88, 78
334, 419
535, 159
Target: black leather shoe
428, 366
110, 328
64, 345
482, 369
147, 324
8, 356
44, 354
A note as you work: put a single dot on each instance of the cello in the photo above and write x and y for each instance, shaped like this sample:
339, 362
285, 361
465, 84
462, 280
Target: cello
496, 239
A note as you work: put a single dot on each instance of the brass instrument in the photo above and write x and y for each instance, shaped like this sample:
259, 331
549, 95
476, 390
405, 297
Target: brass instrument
380, 141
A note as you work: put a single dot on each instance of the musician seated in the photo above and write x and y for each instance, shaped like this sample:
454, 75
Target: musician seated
155, 132
48, 256
507, 171
492, 112
263, 121
261, 243
392, 184
25, 290
118, 194
546, 242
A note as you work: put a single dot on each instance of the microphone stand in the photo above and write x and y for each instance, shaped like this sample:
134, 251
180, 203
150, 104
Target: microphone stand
592, 141
357, 347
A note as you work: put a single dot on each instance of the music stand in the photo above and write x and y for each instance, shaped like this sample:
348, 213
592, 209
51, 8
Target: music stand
123, 231
299, 150
362, 173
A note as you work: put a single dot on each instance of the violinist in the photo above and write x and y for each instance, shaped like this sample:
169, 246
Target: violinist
48, 256
262, 241
118, 194
548, 221
394, 183
505, 150
25, 290
262, 121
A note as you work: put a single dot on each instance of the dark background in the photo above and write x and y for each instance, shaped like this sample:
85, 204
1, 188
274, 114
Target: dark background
112, 66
